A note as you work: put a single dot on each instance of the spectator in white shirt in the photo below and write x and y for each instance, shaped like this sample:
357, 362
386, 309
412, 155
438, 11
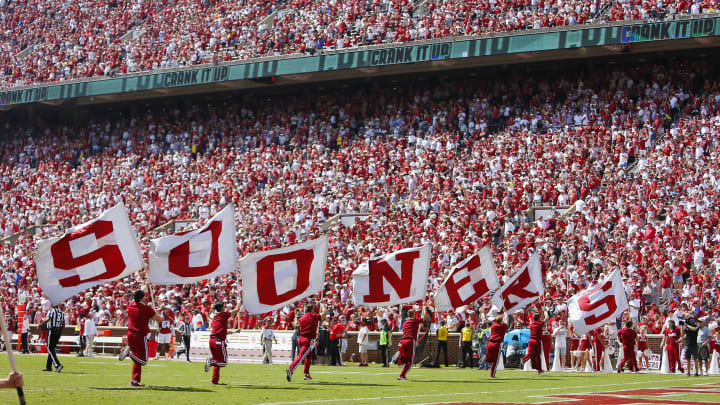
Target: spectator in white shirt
90, 333
267, 336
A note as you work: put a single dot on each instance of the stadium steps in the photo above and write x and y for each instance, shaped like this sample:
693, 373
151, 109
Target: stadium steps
134, 33
25, 52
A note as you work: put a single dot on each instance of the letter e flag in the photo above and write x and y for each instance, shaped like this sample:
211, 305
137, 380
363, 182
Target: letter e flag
468, 281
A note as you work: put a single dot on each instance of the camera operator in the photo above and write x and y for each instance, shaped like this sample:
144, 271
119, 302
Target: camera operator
690, 332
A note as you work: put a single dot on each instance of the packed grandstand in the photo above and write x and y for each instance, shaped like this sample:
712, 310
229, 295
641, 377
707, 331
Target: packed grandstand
621, 160
48, 41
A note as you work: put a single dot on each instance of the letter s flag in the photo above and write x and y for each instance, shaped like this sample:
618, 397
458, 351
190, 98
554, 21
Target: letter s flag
93, 253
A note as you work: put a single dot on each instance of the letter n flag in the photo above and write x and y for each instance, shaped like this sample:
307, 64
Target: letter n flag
395, 278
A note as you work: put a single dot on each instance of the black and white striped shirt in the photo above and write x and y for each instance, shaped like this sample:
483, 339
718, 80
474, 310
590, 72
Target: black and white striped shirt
185, 329
57, 318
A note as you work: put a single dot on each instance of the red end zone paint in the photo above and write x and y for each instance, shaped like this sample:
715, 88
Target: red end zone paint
625, 397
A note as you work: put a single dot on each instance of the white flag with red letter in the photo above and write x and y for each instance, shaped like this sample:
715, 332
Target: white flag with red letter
468, 281
522, 289
275, 278
89, 254
598, 305
200, 254
395, 278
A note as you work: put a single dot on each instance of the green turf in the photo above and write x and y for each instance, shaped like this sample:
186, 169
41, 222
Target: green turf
105, 381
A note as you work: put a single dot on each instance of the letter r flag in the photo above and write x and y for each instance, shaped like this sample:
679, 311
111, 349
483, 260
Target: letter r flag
524, 287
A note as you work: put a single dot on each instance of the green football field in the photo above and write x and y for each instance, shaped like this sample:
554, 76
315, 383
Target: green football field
105, 381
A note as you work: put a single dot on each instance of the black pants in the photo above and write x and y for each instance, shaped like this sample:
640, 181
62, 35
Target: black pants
384, 354
186, 343
442, 345
185, 349
334, 352
53, 338
83, 344
25, 343
467, 354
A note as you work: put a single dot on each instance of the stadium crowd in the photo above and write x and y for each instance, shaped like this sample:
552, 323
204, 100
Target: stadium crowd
631, 152
47, 41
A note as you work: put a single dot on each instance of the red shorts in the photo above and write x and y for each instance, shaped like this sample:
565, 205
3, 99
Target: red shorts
407, 351
218, 349
138, 347
493, 349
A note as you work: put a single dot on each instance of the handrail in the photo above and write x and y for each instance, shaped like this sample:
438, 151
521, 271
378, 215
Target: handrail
392, 45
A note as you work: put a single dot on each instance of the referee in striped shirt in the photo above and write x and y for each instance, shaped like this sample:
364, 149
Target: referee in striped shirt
55, 323
185, 330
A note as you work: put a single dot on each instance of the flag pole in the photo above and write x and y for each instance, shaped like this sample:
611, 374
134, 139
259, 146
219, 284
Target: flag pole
11, 355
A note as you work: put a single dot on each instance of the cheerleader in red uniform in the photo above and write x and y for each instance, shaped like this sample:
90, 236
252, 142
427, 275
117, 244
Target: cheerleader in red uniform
546, 344
575, 352
584, 351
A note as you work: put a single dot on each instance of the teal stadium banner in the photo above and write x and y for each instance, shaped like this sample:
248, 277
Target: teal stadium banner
382, 56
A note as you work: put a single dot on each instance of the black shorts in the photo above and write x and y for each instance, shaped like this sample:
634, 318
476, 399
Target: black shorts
703, 353
691, 351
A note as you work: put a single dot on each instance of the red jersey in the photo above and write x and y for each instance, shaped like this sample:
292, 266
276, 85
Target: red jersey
219, 326
642, 343
308, 324
337, 331
410, 328
574, 343
139, 315
584, 343
497, 333
714, 344
672, 335
627, 336
166, 324
536, 330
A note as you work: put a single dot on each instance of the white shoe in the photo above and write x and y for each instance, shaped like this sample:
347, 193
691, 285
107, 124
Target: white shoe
207, 364
124, 353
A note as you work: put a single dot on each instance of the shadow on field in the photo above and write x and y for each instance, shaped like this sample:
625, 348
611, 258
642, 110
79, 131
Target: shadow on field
349, 384
153, 388
497, 380
271, 387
